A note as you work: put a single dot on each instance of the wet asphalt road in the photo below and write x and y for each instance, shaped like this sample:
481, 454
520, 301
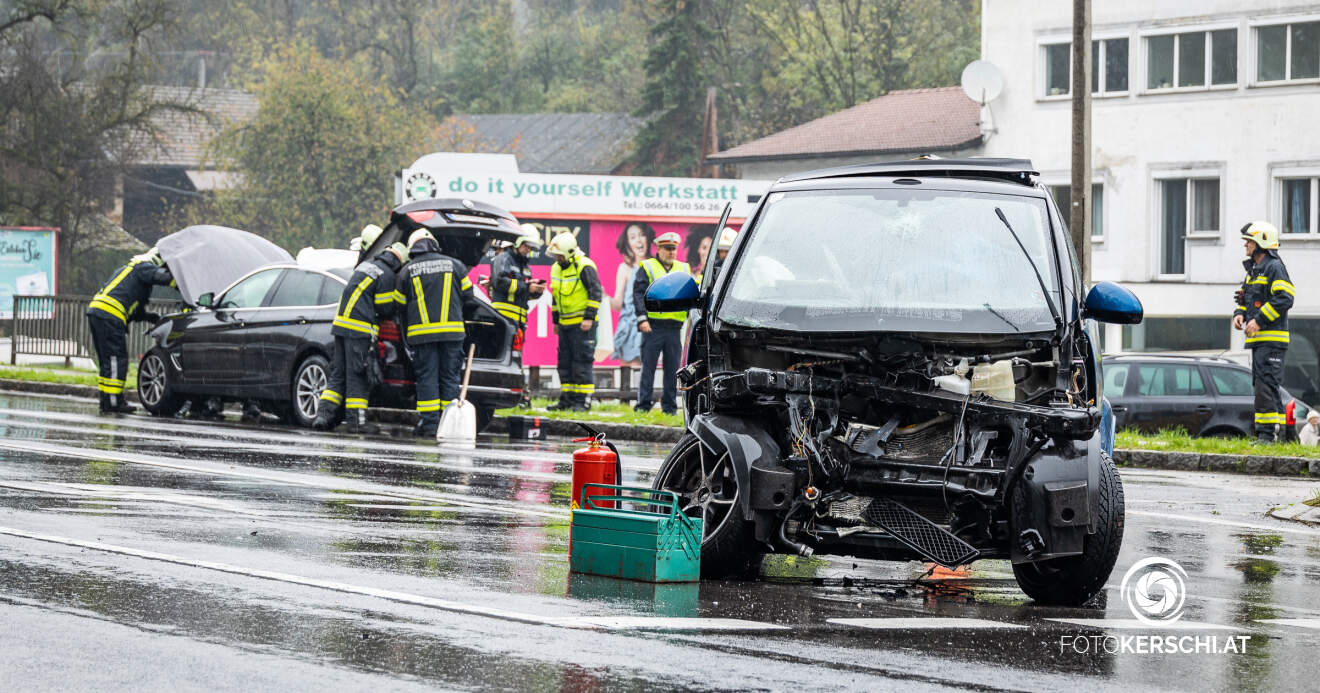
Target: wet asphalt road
147, 554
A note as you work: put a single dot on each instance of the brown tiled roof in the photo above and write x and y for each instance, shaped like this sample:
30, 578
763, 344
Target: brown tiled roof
182, 137
915, 120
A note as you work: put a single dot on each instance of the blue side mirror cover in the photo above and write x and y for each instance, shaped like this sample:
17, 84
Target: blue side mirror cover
1109, 302
673, 292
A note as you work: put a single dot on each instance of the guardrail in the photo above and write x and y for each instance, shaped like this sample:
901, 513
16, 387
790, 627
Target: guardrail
57, 326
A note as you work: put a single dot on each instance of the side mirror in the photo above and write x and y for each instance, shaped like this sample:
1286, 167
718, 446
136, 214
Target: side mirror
1109, 302
205, 299
672, 293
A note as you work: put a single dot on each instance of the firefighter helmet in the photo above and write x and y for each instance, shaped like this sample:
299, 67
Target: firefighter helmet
418, 235
400, 250
369, 234
1265, 234
726, 238
531, 236
564, 245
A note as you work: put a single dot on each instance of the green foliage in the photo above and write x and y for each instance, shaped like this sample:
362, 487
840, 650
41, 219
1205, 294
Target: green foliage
316, 161
600, 411
674, 95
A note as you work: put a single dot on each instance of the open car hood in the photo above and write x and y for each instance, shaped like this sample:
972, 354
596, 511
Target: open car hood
465, 229
210, 258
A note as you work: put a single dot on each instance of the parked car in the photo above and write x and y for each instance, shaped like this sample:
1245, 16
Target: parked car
892, 363
1203, 395
266, 335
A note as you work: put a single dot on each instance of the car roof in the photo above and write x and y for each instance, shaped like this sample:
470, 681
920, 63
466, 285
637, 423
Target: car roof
1173, 358
1020, 171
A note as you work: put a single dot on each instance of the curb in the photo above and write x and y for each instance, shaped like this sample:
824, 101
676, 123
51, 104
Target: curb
1259, 465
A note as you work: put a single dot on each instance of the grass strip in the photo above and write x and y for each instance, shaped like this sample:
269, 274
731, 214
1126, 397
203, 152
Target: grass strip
1179, 441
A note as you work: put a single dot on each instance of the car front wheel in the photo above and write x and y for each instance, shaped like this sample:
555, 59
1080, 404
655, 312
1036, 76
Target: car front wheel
707, 487
155, 389
309, 380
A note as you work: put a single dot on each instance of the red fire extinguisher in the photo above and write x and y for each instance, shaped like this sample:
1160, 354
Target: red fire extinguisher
598, 463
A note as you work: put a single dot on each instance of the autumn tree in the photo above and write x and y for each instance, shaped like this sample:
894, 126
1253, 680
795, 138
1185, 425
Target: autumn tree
674, 95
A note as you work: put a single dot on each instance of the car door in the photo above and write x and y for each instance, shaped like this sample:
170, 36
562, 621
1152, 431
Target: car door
1235, 401
216, 355
1116, 386
279, 327
1169, 395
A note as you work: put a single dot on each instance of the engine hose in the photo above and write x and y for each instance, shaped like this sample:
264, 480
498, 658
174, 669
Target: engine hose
786, 543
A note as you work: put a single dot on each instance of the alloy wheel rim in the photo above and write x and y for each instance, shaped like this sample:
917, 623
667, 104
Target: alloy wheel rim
151, 380
707, 490
311, 383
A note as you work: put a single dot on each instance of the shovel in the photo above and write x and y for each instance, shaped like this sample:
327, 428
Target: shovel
458, 423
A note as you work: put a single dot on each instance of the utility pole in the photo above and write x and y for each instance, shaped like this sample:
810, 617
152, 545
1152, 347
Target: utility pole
1079, 217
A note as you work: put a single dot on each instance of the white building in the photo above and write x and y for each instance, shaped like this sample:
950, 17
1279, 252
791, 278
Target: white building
1204, 117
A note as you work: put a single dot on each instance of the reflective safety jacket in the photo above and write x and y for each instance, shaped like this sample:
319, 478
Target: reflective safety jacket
1267, 294
369, 294
510, 274
651, 270
435, 288
125, 296
575, 291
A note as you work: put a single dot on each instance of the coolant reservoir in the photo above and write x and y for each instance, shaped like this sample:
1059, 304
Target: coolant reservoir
995, 379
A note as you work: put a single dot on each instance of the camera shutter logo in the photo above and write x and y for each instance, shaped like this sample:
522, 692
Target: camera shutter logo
1154, 590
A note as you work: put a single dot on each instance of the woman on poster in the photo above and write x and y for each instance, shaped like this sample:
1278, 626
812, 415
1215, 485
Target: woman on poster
634, 246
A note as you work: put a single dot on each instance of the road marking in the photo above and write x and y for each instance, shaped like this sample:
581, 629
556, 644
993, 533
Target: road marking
921, 623
288, 478
576, 622
1134, 624
1311, 623
1225, 523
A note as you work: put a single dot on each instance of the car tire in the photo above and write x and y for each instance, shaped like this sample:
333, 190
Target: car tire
728, 542
309, 379
1076, 580
154, 384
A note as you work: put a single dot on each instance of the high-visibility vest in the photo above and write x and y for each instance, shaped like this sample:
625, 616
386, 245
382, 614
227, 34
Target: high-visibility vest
654, 270
569, 293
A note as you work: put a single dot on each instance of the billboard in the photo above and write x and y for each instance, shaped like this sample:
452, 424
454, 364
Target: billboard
27, 264
614, 218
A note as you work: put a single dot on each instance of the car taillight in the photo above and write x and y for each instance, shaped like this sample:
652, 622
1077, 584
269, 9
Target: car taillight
518, 340
422, 215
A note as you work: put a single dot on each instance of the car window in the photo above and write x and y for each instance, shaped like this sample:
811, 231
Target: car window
1116, 380
1231, 382
250, 292
1169, 380
331, 290
299, 288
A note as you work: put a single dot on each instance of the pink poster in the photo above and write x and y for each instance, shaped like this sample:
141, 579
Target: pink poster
616, 247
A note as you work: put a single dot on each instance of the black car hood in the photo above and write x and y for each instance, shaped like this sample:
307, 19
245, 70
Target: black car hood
465, 229
210, 258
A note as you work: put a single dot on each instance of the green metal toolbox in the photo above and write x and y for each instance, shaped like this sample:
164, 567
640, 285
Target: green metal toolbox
637, 544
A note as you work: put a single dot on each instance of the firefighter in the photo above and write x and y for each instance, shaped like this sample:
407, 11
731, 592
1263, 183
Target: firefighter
661, 332
122, 300
436, 290
360, 243
727, 237
370, 294
511, 282
575, 290
1262, 313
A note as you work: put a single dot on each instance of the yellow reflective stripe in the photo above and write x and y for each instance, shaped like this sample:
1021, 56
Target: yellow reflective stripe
353, 299
513, 288
465, 284
1269, 336
1284, 286
112, 309
509, 310
387, 297
111, 389
355, 325
1271, 417
1241, 308
444, 301
331, 396
115, 282
1268, 311
434, 328
593, 304
356, 403
1259, 280
428, 405
421, 299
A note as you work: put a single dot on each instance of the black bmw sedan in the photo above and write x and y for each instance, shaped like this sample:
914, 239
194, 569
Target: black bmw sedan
265, 337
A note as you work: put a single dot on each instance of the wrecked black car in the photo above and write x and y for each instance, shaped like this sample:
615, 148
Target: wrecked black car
893, 363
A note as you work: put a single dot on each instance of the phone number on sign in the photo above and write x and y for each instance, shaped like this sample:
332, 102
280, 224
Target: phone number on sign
674, 206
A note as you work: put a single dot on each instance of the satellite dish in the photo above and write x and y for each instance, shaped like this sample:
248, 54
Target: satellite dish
982, 81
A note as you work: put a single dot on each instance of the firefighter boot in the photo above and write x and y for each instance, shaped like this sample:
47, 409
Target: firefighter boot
115, 404
326, 417
357, 423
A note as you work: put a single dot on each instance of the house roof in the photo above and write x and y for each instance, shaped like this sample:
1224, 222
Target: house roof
558, 142
182, 137
914, 120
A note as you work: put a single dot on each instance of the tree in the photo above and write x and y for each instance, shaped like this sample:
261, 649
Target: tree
316, 162
675, 92
77, 111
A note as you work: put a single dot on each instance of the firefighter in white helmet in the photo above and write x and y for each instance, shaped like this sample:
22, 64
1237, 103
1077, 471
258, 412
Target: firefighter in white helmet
576, 292
1263, 302
511, 283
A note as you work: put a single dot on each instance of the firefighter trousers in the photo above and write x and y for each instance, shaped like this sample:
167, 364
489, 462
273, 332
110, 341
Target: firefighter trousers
1266, 376
348, 375
110, 338
577, 353
438, 369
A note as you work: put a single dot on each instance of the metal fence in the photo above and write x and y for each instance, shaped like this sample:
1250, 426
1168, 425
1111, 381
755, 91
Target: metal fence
57, 326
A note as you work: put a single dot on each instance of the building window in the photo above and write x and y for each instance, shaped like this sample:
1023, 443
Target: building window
1178, 334
1299, 197
1187, 206
1287, 52
1109, 67
1191, 60
1063, 198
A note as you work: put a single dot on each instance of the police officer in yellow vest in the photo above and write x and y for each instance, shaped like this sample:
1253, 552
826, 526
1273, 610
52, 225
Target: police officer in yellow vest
122, 300
575, 290
661, 332
1263, 302
511, 282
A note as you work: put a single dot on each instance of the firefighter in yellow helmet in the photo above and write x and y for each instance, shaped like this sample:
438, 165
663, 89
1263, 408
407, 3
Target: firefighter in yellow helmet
1262, 313
661, 331
575, 290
